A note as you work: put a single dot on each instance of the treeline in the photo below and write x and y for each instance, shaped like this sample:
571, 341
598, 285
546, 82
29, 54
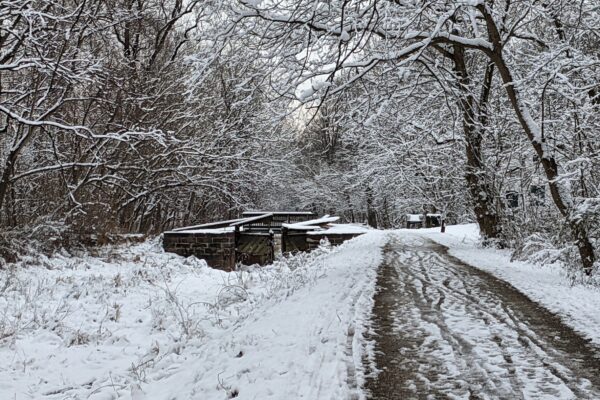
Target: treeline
140, 115
106, 126
489, 107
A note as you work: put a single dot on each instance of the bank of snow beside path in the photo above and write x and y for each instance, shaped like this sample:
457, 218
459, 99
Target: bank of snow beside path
135, 322
577, 305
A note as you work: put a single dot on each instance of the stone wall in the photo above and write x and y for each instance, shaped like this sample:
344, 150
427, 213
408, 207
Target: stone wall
217, 249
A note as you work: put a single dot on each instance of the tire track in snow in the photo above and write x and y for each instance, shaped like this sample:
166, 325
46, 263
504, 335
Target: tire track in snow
443, 329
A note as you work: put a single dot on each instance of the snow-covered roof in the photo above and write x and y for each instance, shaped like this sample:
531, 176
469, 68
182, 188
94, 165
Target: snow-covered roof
214, 231
340, 229
298, 227
278, 212
245, 221
308, 225
210, 225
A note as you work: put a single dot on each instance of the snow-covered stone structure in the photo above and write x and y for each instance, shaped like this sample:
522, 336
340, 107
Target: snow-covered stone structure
254, 238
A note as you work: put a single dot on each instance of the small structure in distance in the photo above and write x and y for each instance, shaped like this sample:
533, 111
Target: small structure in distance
252, 239
429, 220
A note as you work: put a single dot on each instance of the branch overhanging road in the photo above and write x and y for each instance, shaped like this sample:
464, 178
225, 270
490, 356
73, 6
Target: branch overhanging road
444, 329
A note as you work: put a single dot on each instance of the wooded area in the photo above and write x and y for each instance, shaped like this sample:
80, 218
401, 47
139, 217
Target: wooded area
122, 116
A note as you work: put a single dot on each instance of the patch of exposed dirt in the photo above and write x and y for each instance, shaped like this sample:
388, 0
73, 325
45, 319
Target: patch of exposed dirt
444, 329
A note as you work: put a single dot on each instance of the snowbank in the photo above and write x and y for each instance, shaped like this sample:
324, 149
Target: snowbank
135, 322
577, 305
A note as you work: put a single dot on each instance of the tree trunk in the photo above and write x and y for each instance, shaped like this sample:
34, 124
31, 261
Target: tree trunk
188, 213
5, 179
560, 194
9, 167
371, 216
473, 127
22, 137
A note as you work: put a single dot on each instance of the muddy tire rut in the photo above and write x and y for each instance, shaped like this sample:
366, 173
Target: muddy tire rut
443, 329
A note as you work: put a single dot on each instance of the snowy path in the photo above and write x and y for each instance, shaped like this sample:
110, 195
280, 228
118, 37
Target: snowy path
443, 329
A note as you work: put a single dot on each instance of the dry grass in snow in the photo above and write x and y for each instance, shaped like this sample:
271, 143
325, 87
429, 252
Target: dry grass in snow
135, 322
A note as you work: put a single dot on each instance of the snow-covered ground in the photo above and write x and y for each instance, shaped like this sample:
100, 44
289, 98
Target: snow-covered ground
135, 322
577, 305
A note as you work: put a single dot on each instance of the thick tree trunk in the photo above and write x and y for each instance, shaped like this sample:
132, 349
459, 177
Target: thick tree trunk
371, 216
386, 224
7, 173
22, 137
188, 212
560, 194
474, 121
5, 180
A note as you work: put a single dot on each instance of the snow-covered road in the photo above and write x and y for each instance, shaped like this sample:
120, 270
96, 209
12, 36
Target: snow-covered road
443, 329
